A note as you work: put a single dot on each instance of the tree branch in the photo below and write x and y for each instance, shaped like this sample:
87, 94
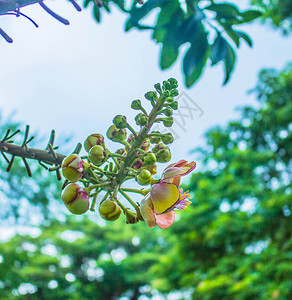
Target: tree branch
12, 5
45, 156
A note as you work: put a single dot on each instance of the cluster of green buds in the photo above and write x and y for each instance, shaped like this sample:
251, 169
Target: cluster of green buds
99, 176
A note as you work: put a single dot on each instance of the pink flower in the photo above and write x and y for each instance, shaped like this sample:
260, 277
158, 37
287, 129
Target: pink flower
157, 208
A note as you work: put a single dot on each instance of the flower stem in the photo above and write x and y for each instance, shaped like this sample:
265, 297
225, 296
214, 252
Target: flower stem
142, 192
128, 198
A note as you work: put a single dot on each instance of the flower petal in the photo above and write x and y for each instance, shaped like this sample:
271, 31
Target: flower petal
165, 220
164, 196
179, 169
146, 209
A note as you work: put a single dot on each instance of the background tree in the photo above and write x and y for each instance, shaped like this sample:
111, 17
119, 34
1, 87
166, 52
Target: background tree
278, 13
235, 241
79, 259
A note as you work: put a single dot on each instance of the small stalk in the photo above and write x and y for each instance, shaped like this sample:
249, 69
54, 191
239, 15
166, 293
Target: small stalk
128, 198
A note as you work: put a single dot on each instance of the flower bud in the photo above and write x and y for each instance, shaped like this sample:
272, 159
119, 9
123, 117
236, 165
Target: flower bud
121, 151
92, 140
145, 146
75, 199
72, 167
166, 85
131, 217
116, 135
174, 105
167, 138
173, 83
109, 210
168, 112
136, 104
152, 96
162, 153
137, 164
97, 155
151, 169
120, 121
141, 120
174, 92
149, 159
158, 87
167, 122
144, 177
155, 137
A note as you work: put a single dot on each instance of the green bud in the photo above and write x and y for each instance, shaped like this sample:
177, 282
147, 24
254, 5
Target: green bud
158, 88
72, 167
155, 137
174, 92
166, 85
168, 112
116, 135
97, 155
169, 99
137, 164
144, 177
152, 96
131, 217
151, 169
136, 104
167, 138
162, 153
173, 83
75, 199
149, 159
92, 140
141, 120
109, 210
174, 105
120, 121
145, 146
167, 121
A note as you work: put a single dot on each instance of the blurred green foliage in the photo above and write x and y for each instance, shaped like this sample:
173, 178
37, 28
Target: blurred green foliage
276, 12
233, 242
236, 240
209, 29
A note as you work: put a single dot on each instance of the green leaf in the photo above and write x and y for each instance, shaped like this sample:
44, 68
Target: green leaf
120, 4
170, 15
138, 13
235, 35
168, 56
96, 13
195, 59
217, 50
222, 51
229, 62
250, 15
86, 2
106, 6
224, 10
246, 37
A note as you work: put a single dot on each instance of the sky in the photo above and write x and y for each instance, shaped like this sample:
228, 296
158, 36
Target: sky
76, 78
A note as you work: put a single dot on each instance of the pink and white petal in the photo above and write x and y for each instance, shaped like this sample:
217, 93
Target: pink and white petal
178, 171
165, 220
146, 209
180, 163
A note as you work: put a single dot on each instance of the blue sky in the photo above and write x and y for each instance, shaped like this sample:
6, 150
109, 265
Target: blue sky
76, 78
